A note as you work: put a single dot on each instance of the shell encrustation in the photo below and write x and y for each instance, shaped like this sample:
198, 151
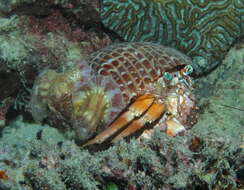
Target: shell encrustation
128, 82
75, 100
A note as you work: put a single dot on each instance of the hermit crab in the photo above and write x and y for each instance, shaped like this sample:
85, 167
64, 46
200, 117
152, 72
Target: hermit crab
117, 91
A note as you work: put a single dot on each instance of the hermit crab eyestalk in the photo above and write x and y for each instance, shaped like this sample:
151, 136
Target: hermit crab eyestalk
187, 70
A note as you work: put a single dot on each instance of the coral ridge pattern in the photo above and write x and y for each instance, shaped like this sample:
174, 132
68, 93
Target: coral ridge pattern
204, 30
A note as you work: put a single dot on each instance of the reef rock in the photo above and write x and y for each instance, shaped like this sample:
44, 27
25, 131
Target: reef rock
221, 99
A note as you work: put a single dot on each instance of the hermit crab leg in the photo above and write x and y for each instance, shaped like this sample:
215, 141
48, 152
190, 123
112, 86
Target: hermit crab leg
174, 127
136, 109
155, 111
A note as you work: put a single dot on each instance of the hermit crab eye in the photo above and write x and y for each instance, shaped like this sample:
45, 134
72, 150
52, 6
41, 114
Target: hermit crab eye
167, 76
187, 70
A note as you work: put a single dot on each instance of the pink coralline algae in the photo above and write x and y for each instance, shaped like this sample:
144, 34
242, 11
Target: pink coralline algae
55, 23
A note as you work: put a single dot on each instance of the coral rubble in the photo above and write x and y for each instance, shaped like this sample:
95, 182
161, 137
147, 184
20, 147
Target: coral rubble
85, 11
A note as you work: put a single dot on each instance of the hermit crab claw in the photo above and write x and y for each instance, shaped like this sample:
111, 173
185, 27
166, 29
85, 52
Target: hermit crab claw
144, 109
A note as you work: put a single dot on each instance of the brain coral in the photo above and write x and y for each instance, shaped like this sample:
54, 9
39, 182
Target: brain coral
204, 30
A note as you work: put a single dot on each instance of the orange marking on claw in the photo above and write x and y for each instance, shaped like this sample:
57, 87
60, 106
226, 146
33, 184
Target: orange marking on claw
141, 104
153, 113
137, 108
134, 126
113, 128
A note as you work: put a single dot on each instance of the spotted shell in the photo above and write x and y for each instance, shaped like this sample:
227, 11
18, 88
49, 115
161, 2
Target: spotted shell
134, 66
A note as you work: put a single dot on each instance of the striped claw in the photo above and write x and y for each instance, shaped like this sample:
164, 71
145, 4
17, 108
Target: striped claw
155, 111
145, 109
138, 108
